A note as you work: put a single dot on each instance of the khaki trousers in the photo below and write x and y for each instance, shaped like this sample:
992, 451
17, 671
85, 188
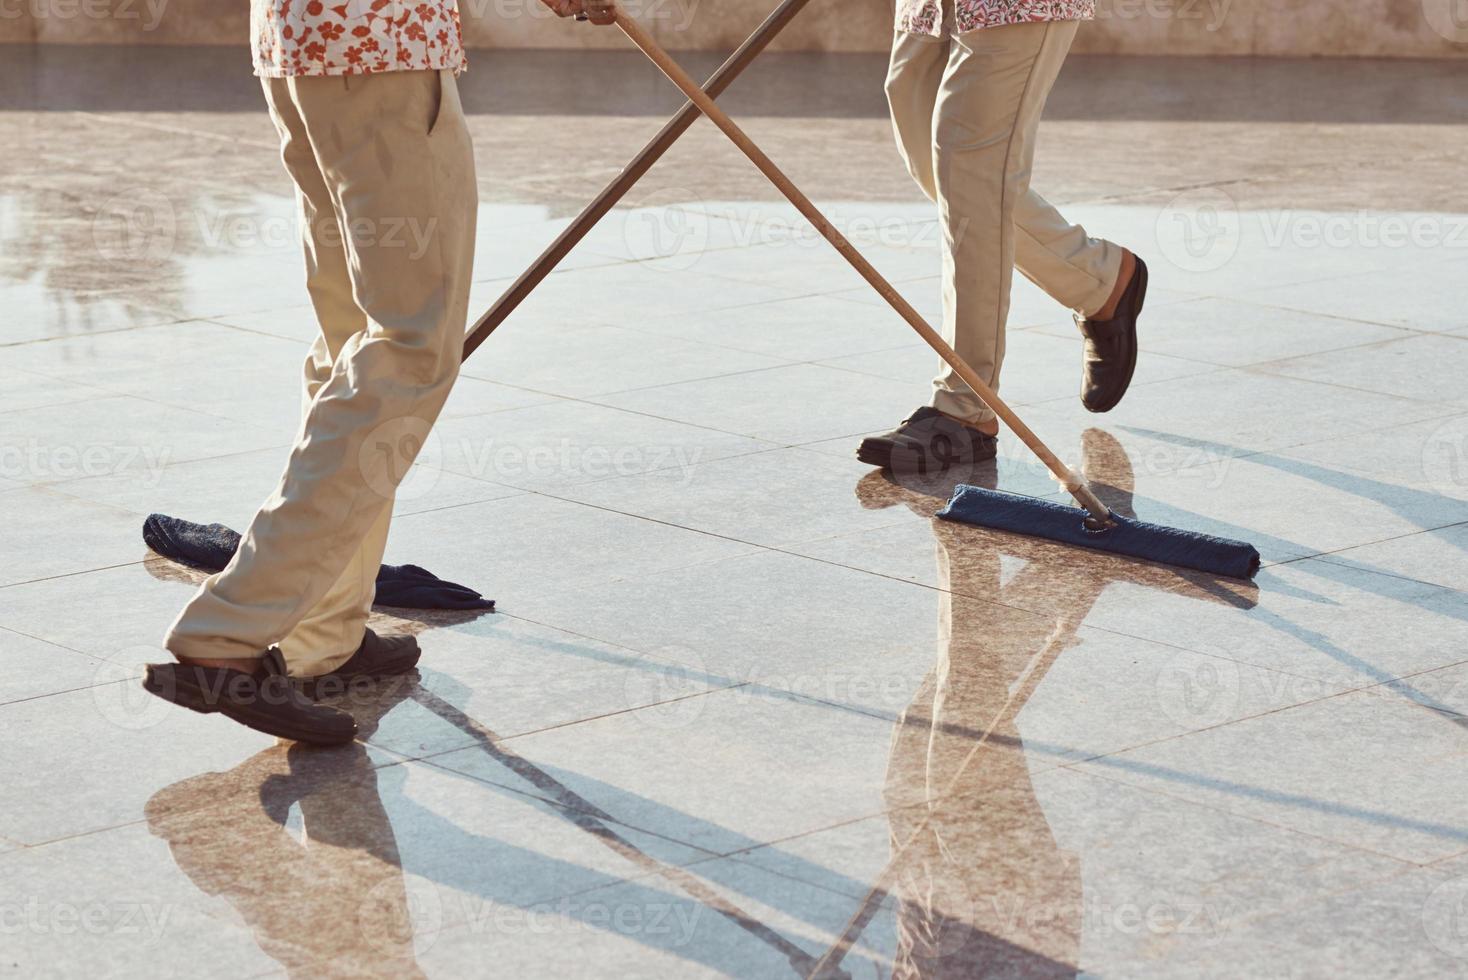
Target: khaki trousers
384, 171
965, 109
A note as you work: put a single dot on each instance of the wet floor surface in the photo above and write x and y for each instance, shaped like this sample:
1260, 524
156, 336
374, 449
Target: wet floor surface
746, 708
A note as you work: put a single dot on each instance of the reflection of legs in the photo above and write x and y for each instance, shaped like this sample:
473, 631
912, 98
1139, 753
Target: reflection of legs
394, 152
983, 847
238, 848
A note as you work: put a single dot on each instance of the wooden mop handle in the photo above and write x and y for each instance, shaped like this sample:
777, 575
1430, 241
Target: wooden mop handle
709, 108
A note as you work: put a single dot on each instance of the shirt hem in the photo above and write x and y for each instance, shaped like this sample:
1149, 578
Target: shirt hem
458, 67
1062, 11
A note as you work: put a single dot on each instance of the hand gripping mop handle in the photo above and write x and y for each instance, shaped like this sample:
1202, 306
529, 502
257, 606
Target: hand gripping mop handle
1100, 515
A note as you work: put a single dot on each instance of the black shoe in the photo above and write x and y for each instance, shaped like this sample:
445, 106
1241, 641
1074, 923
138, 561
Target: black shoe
265, 700
929, 442
1111, 347
377, 656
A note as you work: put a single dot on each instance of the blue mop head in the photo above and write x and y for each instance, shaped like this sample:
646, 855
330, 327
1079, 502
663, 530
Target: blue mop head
1153, 542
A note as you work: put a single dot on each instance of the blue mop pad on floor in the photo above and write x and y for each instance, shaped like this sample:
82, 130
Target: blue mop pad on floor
211, 546
1137, 539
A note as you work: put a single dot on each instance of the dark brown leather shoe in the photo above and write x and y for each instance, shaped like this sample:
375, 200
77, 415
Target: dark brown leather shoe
377, 656
929, 442
1110, 356
264, 700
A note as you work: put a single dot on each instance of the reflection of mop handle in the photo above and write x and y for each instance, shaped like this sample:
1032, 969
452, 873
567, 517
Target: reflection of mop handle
1034, 672
591, 818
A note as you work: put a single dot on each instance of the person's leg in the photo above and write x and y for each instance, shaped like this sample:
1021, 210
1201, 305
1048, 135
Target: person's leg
913, 79
1079, 272
336, 625
989, 105
394, 152
927, 441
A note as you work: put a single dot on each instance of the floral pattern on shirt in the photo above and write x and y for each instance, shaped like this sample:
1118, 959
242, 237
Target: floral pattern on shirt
926, 16
354, 37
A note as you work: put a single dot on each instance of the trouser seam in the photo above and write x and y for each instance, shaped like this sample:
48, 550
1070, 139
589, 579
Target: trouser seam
1006, 198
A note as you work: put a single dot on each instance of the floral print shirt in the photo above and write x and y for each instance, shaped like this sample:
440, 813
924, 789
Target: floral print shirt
926, 16
353, 37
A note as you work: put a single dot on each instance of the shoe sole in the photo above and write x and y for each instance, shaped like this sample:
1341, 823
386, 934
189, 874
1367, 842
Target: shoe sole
1132, 366
874, 454
191, 697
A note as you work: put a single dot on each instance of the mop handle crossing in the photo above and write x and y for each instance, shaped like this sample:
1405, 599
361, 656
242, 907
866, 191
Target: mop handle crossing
623, 183
1098, 511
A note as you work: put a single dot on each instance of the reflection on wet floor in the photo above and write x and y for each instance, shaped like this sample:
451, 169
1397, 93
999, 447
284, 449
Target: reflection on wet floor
747, 708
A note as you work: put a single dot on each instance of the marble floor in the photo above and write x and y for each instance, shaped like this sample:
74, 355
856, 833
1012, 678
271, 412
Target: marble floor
746, 709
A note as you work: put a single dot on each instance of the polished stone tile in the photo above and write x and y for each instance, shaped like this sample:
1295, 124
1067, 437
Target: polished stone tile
1375, 769
327, 862
577, 357
712, 919
787, 405
1427, 367
187, 366
498, 677
471, 396
801, 264
1430, 457
1319, 620
670, 227
1443, 690
1038, 367
902, 653
230, 489
1231, 333
27, 390
1288, 508
116, 614
751, 619
624, 294
1029, 306
296, 323
805, 329
926, 296
89, 759
54, 534
510, 238
119, 436
34, 668
1212, 240
721, 771
1223, 414
772, 498
1412, 295
517, 547
1372, 929
1071, 870
563, 444
145, 916
74, 313
227, 282
1323, 622
1439, 556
